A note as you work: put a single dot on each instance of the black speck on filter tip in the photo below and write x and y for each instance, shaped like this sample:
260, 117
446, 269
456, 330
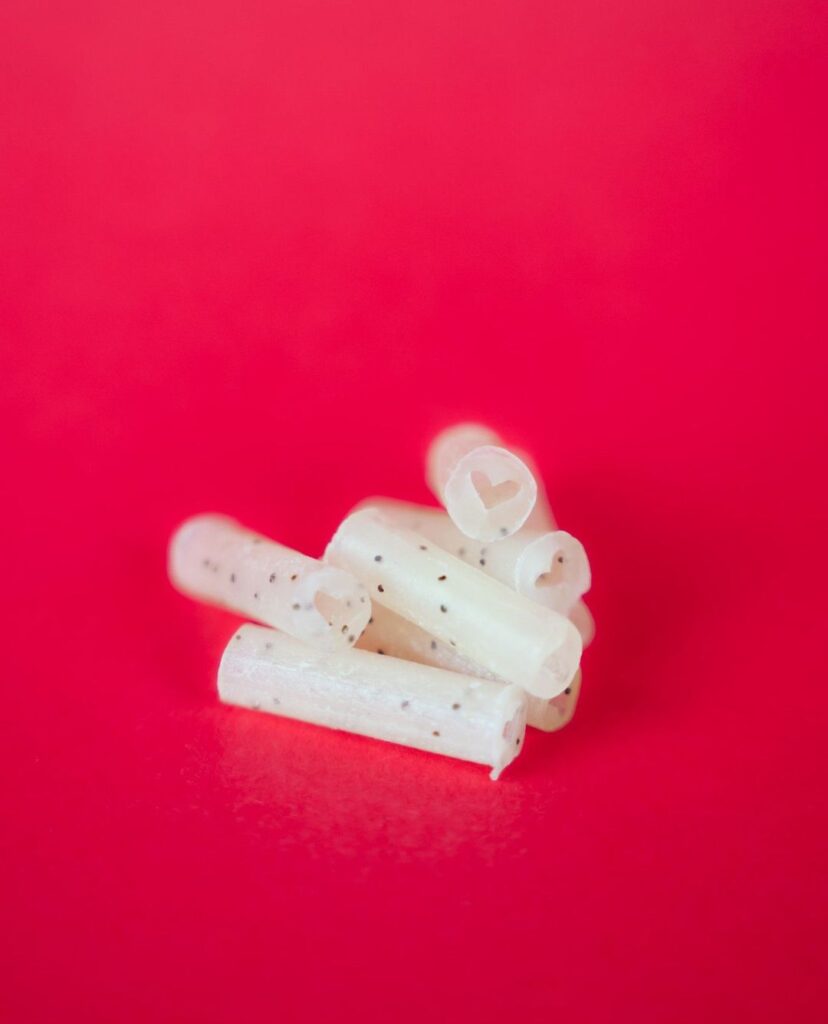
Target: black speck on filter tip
268, 645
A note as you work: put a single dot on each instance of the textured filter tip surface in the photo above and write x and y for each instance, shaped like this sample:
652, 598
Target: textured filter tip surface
372, 695
487, 622
214, 559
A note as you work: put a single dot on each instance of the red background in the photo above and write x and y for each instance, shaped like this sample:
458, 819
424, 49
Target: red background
253, 254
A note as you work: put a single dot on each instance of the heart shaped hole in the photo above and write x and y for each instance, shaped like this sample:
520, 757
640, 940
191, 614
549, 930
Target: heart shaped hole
555, 574
332, 609
491, 494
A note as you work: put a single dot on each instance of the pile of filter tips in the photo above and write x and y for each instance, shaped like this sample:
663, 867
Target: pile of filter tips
448, 631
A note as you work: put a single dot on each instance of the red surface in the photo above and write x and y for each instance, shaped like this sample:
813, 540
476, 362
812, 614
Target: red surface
252, 256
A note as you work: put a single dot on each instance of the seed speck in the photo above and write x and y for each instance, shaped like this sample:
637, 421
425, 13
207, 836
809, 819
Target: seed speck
503, 531
434, 645
455, 707
371, 620
296, 606
560, 559
435, 733
423, 547
256, 596
461, 552
232, 577
377, 558
380, 651
381, 588
441, 578
238, 636
568, 690
352, 639
482, 561
344, 629
268, 645
517, 742
405, 703
443, 608
272, 577
453, 644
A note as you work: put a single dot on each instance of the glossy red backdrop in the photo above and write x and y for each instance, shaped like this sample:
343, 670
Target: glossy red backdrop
253, 254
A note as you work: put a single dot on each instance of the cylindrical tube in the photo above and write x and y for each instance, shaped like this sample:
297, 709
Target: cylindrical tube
550, 568
381, 697
487, 490
215, 559
502, 631
387, 633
